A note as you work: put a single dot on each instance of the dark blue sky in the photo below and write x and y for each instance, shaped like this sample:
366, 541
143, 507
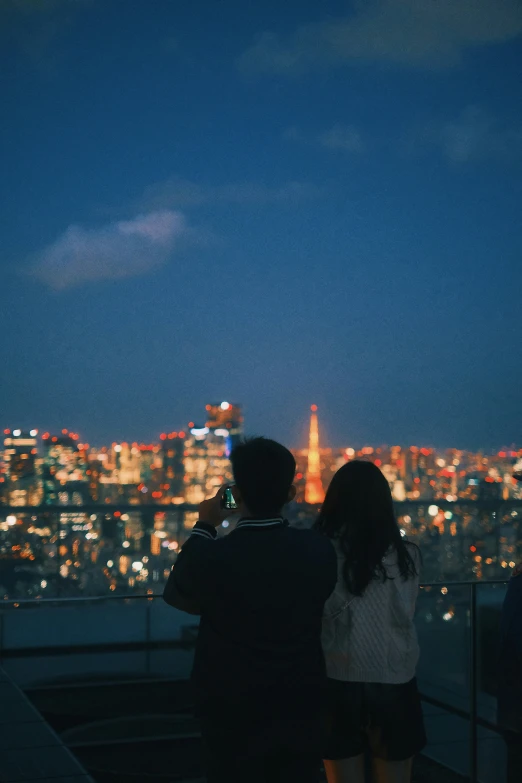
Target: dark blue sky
272, 203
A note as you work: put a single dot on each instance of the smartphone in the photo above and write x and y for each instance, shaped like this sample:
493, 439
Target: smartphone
228, 499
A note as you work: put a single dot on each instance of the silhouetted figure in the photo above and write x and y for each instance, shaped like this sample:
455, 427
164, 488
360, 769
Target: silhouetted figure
259, 675
369, 639
510, 676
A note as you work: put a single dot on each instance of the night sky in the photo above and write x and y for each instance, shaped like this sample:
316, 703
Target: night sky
272, 203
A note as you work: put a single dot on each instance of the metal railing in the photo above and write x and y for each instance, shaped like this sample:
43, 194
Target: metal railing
471, 715
490, 517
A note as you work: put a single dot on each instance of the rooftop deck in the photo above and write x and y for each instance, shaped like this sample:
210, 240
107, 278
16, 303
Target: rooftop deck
108, 678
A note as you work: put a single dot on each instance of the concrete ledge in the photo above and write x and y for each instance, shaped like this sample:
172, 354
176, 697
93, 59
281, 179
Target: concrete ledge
30, 751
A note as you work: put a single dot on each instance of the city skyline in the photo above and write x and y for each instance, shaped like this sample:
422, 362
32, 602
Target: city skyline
302, 424
186, 466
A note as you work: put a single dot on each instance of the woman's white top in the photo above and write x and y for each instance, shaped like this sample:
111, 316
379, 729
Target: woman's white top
372, 638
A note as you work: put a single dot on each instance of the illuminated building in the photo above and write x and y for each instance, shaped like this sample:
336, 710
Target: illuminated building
127, 461
225, 416
314, 492
490, 488
172, 448
206, 452
126, 472
206, 462
19, 472
64, 470
150, 467
155, 544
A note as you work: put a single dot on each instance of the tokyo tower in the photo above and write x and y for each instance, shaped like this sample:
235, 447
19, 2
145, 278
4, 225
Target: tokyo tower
314, 492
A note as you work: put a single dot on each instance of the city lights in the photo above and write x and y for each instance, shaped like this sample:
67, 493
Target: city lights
314, 490
201, 432
131, 506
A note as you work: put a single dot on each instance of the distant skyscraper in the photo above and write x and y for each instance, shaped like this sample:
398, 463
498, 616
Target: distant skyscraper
19, 469
64, 470
127, 459
207, 450
172, 448
226, 420
206, 462
314, 492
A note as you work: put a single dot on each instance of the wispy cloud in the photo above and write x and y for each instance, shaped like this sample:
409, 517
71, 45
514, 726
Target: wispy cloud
475, 135
427, 33
126, 248
340, 137
177, 193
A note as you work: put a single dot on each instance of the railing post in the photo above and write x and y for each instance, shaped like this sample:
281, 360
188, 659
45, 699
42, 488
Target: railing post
473, 712
147, 637
59, 582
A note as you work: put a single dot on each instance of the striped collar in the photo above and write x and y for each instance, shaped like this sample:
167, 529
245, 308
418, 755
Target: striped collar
272, 522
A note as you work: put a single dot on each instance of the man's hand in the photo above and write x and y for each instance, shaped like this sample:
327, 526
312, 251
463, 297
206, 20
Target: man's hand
211, 512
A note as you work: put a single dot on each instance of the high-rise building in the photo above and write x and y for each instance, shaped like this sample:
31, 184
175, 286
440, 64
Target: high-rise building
225, 419
64, 470
19, 468
206, 452
172, 448
314, 492
127, 461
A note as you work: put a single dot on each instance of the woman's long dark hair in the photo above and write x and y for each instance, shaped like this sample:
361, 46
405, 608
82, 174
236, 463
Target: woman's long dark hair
358, 512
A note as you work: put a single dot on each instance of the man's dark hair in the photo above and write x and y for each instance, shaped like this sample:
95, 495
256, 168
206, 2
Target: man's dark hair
264, 471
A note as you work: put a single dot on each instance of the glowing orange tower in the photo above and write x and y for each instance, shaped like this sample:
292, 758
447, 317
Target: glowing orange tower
314, 492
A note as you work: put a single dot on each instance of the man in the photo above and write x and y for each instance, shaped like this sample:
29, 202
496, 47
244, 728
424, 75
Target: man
258, 672
510, 676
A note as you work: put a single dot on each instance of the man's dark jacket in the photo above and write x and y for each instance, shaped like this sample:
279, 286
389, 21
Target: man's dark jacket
260, 591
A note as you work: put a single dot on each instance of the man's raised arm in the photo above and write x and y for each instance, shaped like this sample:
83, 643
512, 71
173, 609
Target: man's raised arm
188, 583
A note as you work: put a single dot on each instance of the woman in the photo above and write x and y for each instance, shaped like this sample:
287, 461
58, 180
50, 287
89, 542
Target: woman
369, 639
